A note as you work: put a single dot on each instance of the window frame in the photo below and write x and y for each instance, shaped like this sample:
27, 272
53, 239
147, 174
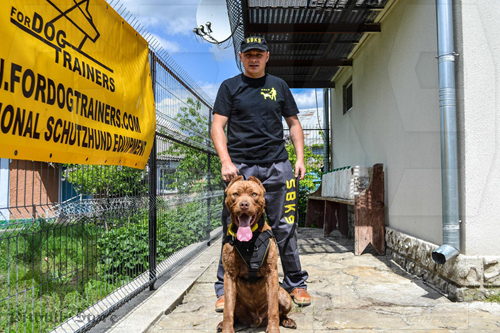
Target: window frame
346, 93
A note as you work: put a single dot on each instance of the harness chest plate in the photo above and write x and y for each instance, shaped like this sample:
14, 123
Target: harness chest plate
254, 252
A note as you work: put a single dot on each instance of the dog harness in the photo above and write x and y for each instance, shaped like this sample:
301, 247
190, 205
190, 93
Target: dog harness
254, 252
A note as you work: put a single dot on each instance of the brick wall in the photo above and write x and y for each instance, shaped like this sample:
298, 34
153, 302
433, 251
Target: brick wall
34, 188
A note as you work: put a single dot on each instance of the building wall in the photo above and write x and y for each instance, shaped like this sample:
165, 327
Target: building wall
478, 73
395, 118
4, 189
34, 188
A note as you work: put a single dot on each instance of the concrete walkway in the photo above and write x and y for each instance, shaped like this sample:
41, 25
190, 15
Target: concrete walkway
349, 293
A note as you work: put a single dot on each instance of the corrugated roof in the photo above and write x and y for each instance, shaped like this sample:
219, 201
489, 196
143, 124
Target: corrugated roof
308, 39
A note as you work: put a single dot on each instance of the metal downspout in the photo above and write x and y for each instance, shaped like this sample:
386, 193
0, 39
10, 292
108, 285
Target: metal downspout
449, 160
326, 130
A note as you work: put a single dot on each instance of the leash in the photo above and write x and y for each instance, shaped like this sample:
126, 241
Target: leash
238, 174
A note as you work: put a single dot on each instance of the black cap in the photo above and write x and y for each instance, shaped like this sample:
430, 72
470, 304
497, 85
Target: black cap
253, 43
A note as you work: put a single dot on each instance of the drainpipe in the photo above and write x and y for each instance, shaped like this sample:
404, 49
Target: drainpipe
326, 130
449, 160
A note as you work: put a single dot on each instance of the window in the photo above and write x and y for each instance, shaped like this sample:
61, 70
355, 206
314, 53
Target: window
348, 96
166, 180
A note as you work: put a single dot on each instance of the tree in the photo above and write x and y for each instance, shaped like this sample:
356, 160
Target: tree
106, 180
191, 175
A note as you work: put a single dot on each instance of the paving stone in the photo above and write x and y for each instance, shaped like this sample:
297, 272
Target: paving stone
358, 319
366, 293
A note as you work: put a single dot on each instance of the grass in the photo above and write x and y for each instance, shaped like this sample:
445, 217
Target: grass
50, 272
46, 268
493, 296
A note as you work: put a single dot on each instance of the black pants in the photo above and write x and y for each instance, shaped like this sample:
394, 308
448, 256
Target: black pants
281, 204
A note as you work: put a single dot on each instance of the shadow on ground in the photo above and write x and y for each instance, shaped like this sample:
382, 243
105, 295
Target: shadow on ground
350, 293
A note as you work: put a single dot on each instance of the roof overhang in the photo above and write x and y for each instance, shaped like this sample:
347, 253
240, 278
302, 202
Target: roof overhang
309, 41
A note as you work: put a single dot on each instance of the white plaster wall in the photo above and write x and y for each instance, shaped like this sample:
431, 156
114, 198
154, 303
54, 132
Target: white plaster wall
480, 63
395, 118
4, 188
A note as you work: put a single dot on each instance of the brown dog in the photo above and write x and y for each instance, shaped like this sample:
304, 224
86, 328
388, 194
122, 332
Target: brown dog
252, 302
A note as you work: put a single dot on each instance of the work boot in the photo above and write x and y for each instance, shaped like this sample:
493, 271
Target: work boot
301, 297
219, 305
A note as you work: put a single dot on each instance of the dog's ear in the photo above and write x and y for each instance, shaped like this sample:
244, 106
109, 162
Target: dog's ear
234, 180
256, 180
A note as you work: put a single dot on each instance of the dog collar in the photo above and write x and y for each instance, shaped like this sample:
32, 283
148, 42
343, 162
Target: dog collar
232, 233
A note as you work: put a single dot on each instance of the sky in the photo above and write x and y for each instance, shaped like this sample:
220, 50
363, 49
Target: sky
172, 23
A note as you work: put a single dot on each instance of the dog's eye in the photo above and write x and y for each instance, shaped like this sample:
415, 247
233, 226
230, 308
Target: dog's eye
254, 194
235, 194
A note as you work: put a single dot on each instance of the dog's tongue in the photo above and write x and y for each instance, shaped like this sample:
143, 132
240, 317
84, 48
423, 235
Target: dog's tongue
244, 233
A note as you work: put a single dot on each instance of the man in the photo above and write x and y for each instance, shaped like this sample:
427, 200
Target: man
252, 106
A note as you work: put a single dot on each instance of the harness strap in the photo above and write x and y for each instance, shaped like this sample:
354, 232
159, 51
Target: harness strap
228, 239
259, 254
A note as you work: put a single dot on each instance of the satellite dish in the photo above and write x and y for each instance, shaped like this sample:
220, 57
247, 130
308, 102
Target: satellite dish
215, 12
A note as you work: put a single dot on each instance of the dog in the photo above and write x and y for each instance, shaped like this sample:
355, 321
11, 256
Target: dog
253, 295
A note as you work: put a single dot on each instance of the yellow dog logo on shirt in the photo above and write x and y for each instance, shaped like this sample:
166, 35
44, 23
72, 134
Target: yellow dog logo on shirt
269, 93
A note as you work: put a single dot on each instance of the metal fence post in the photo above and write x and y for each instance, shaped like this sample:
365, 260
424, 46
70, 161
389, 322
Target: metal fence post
152, 216
152, 194
209, 174
209, 197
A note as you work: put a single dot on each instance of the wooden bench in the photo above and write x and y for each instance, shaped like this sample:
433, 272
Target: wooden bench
331, 214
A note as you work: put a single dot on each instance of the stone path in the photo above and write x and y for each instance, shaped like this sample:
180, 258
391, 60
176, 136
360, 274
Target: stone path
350, 293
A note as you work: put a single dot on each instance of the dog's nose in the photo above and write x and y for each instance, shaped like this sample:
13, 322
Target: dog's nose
244, 205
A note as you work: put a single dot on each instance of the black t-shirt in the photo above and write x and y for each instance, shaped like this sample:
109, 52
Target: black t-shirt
255, 108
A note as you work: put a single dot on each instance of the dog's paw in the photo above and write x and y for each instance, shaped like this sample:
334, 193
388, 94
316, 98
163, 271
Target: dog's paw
288, 322
270, 330
220, 328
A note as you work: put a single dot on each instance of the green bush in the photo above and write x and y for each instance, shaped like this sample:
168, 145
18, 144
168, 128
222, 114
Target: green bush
314, 166
124, 249
44, 266
68, 267
105, 180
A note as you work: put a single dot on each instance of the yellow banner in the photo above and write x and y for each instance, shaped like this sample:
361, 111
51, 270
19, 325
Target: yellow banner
75, 84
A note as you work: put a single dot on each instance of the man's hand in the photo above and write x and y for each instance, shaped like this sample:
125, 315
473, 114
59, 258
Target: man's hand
228, 171
297, 136
300, 168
